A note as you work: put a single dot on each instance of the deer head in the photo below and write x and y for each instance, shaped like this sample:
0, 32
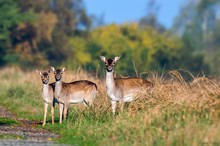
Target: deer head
109, 63
58, 73
45, 76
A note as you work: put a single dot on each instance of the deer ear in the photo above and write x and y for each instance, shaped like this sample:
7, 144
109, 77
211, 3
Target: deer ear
64, 69
52, 68
102, 58
38, 72
117, 58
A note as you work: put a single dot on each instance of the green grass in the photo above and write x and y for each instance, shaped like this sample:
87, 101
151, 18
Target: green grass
10, 136
168, 128
157, 120
18, 98
8, 121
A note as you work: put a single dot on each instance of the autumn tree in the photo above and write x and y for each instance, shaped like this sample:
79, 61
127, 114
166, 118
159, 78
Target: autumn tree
10, 16
45, 40
142, 50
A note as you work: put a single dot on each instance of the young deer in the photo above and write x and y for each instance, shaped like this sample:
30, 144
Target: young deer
81, 91
47, 94
122, 89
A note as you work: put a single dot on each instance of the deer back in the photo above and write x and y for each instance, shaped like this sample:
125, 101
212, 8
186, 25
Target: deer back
132, 85
75, 92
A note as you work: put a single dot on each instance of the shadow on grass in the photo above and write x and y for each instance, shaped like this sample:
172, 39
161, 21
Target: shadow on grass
7, 121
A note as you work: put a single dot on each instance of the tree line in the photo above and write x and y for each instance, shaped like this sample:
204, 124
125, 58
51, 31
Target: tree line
52, 32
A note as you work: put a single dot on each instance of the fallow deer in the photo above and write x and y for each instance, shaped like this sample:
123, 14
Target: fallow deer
47, 94
82, 91
122, 89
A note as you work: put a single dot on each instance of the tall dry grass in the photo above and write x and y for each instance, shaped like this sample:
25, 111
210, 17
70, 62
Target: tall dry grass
199, 93
174, 112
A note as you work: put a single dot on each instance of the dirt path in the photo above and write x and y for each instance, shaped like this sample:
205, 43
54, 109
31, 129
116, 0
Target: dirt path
30, 135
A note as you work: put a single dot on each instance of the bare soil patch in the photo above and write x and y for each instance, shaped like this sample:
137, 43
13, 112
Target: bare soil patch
26, 130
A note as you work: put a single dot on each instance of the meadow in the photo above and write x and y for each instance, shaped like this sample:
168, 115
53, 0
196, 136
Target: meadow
176, 112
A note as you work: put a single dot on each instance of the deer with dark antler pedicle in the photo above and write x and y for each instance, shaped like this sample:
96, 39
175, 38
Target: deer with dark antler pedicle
122, 89
47, 94
82, 91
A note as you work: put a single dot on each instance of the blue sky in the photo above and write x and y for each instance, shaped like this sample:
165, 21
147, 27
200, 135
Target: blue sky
122, 11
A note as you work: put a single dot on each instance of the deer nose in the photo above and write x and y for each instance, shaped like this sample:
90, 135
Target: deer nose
109, 68
45, 81
58, 77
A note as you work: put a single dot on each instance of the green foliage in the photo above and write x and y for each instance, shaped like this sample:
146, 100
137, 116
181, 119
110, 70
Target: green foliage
10, 16
198, 24
142, 49
61, 34
43, 41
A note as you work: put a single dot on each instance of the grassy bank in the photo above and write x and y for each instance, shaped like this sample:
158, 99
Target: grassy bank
176, 112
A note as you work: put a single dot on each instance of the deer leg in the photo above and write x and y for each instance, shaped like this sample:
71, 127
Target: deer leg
121, 106
61, 111
85, 103
67, 113
65, 110
45, 113
113, 106
52, 112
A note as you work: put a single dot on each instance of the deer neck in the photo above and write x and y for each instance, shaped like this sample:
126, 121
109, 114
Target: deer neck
58, 88
45, 90
110, 82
